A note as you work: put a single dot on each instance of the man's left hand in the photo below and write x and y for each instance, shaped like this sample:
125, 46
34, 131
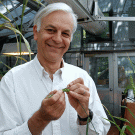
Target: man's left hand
79, 97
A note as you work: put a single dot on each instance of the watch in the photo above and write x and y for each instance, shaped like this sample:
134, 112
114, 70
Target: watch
85, 119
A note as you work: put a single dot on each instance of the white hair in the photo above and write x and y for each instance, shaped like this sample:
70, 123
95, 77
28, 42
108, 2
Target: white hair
55, 7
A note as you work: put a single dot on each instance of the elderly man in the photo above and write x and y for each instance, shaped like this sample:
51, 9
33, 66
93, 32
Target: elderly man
24, 110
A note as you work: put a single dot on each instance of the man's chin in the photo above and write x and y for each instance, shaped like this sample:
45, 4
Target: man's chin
54, 59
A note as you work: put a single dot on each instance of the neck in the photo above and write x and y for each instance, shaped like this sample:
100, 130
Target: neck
50, 67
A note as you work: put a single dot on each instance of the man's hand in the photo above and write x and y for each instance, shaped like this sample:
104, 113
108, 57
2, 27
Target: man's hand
52, 108
78, 91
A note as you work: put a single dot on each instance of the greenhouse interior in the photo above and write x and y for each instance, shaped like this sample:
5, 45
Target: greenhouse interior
103, 44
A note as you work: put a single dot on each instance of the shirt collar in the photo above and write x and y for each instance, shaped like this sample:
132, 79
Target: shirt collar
38, 67
40, 70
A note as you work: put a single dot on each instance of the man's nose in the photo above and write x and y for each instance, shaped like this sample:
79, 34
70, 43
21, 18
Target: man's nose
57, 37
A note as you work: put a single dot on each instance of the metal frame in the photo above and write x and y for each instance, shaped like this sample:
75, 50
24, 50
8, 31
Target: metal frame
115, 19
31, 4
87, 17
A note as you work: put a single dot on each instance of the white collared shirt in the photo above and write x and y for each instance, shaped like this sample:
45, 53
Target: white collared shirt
24, 87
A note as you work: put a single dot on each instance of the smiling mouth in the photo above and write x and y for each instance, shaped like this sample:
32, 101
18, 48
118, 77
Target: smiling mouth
54, 46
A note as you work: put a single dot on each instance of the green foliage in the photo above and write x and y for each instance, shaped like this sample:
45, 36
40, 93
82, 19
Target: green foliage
131, 128
87, 126
65, 90
131, 85
39, 2
4, 17
16, 30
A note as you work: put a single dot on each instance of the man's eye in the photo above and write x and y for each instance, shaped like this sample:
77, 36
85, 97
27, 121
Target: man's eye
50, 30
66, 34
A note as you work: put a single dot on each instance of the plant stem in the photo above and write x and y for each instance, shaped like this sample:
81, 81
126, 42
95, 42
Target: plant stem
87, 120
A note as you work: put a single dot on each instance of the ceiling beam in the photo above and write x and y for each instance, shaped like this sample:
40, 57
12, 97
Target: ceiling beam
32, 4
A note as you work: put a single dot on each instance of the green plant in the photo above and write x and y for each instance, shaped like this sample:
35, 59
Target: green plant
17, 31
131, 128
131, 84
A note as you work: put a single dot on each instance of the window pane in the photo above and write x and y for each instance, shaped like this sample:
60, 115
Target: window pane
125, 69
99, 71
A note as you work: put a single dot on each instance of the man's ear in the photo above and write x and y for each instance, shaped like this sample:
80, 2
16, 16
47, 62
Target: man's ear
35, 32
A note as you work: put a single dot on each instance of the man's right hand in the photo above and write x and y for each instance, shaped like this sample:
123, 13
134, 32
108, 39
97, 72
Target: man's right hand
51, 109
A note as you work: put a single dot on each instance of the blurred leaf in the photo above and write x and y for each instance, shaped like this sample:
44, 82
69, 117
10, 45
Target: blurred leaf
26, 42
39, 2
87, 126
23, 9
21, 58
123, 130
113, 122
129, 111
127, 127
5, 65
4, 17
11, 15
2, 25
122, 119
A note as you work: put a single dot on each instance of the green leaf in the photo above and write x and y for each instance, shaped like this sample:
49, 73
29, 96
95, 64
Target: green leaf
4, 17
129, 111
87, 126
21, 58
2, 25
113, 122
109, 114
125, 120
65, 90
39, 2
123, 130
129, 128
26, 42
49, 96
122, 119
5, 65
11, 15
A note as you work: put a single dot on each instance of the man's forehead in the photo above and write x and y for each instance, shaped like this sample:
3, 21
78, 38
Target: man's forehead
54, 27
58, 14
59, 19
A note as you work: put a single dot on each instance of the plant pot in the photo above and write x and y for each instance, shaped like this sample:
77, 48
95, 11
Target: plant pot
128, 116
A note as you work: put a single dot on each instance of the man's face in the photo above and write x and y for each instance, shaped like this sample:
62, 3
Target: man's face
54, 36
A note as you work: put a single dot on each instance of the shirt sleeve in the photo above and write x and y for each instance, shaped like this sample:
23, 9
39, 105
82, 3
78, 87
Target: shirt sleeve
98, 125
10, 117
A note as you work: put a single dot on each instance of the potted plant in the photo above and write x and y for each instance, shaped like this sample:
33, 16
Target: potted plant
130, 86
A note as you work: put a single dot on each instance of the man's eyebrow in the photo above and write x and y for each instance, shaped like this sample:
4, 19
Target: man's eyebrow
56, 28
50, 26
67, 31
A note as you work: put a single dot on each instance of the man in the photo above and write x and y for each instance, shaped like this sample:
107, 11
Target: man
24, 110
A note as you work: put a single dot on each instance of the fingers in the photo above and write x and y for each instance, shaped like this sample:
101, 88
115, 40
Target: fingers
53, 96
60, 104
78, 80
50, 94
79, 96
77, 86
52, 108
